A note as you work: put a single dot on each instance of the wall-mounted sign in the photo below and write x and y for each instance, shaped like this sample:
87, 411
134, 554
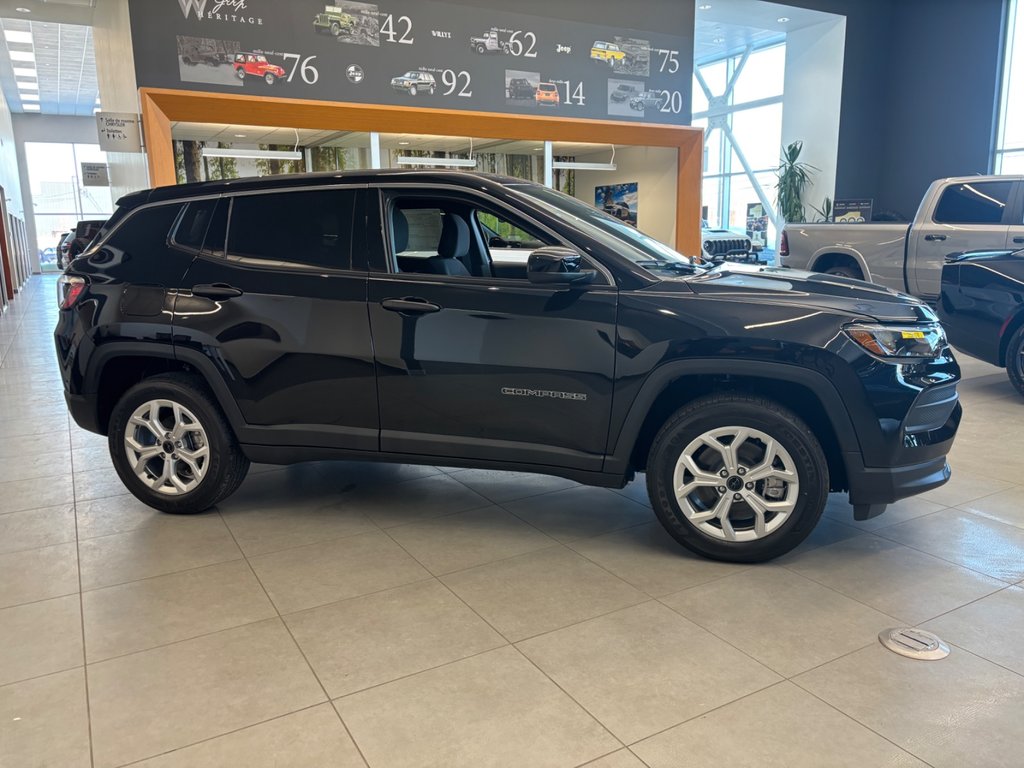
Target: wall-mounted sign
853, 210
119, 131
95, 175
619, 200
422, 53
757, 225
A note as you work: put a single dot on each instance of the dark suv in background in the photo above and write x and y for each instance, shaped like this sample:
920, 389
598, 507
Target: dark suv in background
361, 316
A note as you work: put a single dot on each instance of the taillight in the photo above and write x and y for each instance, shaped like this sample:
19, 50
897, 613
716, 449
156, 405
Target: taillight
784, 244
69, 290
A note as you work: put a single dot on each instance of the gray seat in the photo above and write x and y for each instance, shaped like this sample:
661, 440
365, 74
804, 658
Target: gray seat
452, 247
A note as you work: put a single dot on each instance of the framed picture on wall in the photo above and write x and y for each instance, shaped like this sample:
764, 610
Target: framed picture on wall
618, 200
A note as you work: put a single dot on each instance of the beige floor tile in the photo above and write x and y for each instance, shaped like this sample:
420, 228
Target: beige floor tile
44, 722
479, 713
965, 486
636, 490
32, 465
312, 738
840, 510
22, 445
783, 620
673, 670
45, 428
270, 529
97, 484
165, 609
961, 711
465, 539
282, 488
783, 727
115, 514
149, 703
827, 531
651, 560
621, 759
894, 579
39, 492
171, 543
579, 513
38, 574
973, 541
348, 473
92, 458
991, 628
40, 638
410, 501
371, 640
541, 591
35, 528
1006, 506
305, 577
499, 487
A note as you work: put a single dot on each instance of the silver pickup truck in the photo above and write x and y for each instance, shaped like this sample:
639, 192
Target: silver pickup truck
969, 213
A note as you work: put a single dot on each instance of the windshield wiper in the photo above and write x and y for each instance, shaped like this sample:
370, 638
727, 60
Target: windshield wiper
674, 266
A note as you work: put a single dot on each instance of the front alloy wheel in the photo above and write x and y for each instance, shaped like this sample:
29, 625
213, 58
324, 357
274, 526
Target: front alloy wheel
737, 477
1015, 359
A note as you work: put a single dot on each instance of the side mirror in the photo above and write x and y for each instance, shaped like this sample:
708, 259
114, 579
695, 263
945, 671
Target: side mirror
555, 265
497, 242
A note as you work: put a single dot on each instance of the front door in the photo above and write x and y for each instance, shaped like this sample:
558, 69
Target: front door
971, 216
473, 360
280, 311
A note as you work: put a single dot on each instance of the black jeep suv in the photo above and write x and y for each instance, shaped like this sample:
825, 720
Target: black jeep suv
361, 316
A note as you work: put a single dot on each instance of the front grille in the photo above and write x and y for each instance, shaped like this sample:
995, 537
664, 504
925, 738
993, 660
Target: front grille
731, 247
932, 408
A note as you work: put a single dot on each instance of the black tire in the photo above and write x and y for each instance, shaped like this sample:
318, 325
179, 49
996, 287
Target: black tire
845, 270
430, 90
752, 412
1015, 360
412, 90
480, 48
241, 73
269, 77
227, 465
335, 28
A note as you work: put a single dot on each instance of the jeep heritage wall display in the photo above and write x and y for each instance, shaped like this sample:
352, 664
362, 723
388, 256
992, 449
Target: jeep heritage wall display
414, 52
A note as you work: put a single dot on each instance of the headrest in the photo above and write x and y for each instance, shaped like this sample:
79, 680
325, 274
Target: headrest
400, 230
454, 242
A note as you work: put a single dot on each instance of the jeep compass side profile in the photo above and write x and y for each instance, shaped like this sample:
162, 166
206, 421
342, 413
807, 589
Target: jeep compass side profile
362, 315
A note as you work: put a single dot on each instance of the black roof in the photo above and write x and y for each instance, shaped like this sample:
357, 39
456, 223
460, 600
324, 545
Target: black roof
289, 180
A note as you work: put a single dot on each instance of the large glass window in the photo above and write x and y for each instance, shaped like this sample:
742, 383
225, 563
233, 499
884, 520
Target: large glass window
59, 197
1010, 141
738, 102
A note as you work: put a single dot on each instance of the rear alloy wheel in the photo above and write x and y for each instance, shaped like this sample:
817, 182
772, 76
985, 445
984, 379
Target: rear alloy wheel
737, 478
240, 73
412, 90
1015, 360
172, 447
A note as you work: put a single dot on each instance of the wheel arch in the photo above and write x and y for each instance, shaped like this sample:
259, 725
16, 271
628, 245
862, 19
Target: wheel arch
807, 393
826, 257
1012, 325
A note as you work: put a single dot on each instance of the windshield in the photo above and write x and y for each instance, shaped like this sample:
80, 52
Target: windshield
410, 75
627, 241
546, 87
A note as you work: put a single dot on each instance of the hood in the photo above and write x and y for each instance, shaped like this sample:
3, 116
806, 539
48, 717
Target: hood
778, 285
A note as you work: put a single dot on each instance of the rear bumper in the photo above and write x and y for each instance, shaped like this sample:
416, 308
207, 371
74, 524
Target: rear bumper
83, 411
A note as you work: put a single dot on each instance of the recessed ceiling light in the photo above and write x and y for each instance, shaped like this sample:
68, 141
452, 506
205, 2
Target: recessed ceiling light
22, 56
30, 107
17, 36
717, 40
704, 7
239, 135
403, 143
23, 71
538, 149
28, 96
782, 19
22, 9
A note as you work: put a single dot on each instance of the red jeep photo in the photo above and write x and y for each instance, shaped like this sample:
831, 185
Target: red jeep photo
256, 64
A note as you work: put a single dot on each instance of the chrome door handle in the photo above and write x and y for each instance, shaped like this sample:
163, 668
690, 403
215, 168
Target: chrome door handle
410, 306
934, 237
216, 291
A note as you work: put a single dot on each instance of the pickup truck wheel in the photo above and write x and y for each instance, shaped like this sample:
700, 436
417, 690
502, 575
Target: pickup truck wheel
1015, 360
843, 270
737, 478
172, 447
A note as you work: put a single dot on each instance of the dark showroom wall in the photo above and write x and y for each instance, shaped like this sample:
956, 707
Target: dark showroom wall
920, 87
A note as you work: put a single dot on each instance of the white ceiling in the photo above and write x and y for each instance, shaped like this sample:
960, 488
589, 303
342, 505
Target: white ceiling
727, 27
50, 60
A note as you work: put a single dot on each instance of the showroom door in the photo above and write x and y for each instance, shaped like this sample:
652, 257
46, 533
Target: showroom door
281, 314
480, 366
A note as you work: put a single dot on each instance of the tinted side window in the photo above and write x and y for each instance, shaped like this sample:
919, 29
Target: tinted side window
293, 228
974, 203
194, 222
144, 234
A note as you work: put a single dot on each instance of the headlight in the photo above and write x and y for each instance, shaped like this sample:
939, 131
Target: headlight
899, 342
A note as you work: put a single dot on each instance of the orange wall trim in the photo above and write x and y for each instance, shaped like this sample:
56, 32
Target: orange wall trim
161, 107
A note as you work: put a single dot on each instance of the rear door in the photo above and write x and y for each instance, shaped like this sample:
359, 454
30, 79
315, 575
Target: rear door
968, 216
278, 309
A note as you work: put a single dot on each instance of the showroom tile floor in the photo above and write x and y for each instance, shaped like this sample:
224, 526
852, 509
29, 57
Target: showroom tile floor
359, 614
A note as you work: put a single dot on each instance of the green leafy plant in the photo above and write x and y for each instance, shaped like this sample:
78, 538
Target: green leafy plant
793, 178
825, 212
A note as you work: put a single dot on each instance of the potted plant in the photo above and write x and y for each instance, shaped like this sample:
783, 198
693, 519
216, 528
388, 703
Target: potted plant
794, 176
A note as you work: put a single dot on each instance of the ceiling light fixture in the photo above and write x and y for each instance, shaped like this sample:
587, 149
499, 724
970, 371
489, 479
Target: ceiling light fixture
17, 36
403, 143
22, 9
255, 154
30, 107
239, 135
704, 7
450, 162
782, 19
28, 96
22, 56
572, 165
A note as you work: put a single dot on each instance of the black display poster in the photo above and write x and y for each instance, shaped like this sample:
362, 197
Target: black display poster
855, 211
418, 53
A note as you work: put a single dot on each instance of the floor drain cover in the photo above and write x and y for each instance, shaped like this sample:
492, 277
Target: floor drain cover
914, 643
